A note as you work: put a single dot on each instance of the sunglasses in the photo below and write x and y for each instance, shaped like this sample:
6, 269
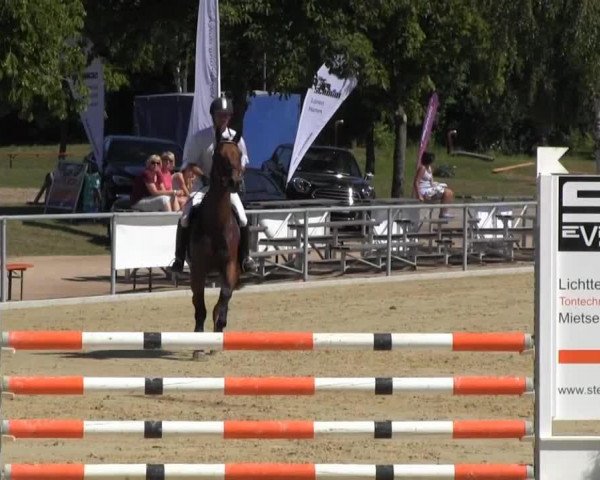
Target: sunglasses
154, 163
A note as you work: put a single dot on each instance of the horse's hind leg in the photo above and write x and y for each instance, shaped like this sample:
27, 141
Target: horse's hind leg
229, 282
221, 308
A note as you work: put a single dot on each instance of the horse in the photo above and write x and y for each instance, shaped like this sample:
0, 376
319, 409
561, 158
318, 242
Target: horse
215, 235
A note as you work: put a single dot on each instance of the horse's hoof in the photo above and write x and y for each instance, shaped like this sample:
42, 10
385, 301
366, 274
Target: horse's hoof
200, 355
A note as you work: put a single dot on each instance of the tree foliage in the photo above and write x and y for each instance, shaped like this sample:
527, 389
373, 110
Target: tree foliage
509, 73
42, 50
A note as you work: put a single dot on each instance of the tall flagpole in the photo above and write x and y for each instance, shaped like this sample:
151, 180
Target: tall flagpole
218, 46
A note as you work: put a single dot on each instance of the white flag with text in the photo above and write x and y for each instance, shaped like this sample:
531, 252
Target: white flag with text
325, 96
207, 83
93, 116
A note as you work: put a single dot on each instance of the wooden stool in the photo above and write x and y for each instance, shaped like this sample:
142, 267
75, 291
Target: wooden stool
16, 270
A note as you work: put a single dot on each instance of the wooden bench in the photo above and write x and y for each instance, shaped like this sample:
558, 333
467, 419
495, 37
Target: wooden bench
16, 271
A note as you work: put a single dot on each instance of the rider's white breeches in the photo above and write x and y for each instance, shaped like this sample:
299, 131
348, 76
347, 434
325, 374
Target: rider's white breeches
236, 202
196, 199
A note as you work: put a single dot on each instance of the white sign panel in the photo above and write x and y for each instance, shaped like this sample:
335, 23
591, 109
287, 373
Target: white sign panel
577, 298
146, 241
567, 322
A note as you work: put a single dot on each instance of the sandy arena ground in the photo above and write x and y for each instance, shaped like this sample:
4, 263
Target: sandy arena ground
470, 304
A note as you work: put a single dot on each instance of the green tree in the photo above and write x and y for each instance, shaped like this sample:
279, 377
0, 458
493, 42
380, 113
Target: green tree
41, 51
550, 54
430, 45
143, 37
586, 53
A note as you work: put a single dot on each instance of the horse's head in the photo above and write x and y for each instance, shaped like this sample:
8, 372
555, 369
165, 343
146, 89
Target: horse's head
227, 165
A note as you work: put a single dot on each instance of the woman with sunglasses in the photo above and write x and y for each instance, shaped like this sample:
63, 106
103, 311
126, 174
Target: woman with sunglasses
149, 194
167, 167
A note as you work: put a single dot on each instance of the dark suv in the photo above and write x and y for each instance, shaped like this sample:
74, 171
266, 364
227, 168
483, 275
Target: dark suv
328, 173
124, 159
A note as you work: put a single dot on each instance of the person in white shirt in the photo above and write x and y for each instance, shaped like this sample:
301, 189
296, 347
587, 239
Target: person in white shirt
428, 190
200, 152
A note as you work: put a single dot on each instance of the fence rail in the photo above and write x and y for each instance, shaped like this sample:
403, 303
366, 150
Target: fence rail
387, 232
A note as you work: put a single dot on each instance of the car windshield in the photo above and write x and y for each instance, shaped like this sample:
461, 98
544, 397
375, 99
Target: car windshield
284, 155
329, 161
135, 152
256, 183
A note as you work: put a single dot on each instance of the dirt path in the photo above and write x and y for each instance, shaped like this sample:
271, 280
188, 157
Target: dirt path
474, 304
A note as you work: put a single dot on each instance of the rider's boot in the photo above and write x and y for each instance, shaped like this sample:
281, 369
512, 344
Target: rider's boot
246, 261
182, 239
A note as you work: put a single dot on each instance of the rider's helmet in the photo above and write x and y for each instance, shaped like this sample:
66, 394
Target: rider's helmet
221, 104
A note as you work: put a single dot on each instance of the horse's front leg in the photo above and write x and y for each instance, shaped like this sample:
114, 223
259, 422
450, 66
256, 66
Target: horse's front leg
198, 281
228, 282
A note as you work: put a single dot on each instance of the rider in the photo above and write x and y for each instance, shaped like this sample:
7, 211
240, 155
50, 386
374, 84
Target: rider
200, 153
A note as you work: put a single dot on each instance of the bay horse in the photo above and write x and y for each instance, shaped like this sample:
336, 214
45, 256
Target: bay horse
215, 235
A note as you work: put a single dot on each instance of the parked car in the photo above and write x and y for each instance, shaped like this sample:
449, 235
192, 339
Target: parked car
329, 173
124, 159
260, 187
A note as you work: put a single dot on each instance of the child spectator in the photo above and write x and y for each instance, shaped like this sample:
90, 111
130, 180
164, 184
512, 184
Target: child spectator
185, 179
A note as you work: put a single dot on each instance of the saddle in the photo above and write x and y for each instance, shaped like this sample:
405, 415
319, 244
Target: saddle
196, 211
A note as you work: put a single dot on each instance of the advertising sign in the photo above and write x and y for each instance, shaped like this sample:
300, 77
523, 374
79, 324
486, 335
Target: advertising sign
67, 180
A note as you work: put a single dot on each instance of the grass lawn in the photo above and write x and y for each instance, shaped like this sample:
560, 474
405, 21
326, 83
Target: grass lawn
473, 178
30, 164
54, 237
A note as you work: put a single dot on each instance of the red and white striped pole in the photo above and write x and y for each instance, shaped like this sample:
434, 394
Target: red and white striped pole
267, 429
78, 385
75, 340
275, 471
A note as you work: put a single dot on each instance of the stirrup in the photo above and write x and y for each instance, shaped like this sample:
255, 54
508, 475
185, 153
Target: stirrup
249, 265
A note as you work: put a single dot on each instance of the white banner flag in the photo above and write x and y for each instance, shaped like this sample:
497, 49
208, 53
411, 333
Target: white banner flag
93, 116
207, 84
325, 96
